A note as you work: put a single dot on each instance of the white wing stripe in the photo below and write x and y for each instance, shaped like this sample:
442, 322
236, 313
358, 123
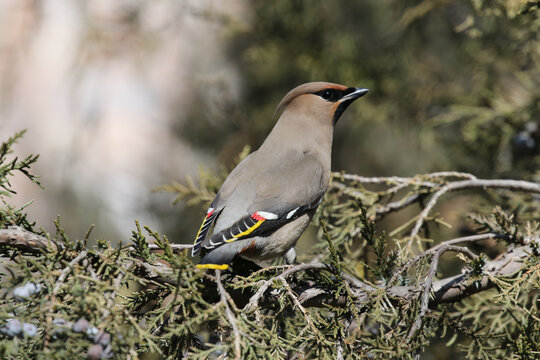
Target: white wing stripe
291, 213
267, 215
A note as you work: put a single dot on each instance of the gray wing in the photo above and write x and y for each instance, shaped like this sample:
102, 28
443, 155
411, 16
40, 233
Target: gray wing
256, 198
301, 181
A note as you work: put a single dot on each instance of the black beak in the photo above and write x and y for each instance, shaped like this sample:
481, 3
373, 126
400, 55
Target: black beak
344, 102
355, 94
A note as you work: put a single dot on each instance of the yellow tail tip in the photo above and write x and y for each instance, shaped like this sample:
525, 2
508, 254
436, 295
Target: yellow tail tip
213, 266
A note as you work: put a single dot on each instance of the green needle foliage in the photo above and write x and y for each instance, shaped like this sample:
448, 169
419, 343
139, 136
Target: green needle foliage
361, 292
8, 168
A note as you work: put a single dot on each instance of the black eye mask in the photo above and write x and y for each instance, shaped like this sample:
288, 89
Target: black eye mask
333, 95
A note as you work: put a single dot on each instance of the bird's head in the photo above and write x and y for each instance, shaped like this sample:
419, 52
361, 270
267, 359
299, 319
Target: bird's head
326, 101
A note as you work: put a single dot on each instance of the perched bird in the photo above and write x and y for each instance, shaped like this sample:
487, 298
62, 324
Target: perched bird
267, 201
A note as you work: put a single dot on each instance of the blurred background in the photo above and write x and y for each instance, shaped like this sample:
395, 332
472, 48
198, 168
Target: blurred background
122, 96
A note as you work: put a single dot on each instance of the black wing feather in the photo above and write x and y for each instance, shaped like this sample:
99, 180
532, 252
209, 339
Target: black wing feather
255, 225
211, 215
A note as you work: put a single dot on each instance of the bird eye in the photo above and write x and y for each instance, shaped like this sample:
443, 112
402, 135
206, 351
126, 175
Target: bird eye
326, 94
331, 95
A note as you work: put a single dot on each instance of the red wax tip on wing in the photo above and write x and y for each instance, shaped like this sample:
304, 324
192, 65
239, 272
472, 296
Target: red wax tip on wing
257, 217
210, 212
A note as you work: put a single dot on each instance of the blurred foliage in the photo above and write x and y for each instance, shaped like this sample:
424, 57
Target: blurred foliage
11, 215
453, 83
206, 188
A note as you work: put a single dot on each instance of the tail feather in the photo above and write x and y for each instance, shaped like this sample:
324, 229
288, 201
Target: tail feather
219, 258
203, 230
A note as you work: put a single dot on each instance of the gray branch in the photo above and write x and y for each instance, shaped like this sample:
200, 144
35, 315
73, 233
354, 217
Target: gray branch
21, 239
517, 185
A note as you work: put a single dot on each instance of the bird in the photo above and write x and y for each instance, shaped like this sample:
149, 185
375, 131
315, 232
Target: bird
269, 198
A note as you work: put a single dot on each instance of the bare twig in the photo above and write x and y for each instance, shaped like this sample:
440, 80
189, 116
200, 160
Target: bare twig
458, 287
517, 185
67, 269
116, 286
443, 244
418, 180
357, 283
154, 247
399, 180
265, 284
456, 174
308, 294
21, 239
230, 316
471, 238
347, 190
429, 280
425, 295
398, 205
391, 180
398, 183
299, 305
339, 355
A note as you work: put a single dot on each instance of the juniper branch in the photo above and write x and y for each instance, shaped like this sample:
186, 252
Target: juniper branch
230, 316
517, 185
447, 290
24, 240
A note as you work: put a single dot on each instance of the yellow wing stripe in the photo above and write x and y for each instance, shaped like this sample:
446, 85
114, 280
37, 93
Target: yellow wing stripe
247, 232
213, 266
200, 229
